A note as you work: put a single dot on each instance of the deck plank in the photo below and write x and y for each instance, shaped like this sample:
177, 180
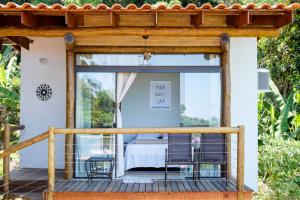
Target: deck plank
72, 186
136, 187
123, 187
161, 186
97, 187
186, 185
75, 189
205, 185
91, 186
142, 187
149, 187
110, 186
84, 186
211, 185
168, 186
193, 186
180, 186
155, 186
104, 186
174, 186
201, 187
129, 187
117, 186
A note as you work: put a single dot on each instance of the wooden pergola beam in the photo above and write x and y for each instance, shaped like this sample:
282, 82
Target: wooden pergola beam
140, 31
19, 41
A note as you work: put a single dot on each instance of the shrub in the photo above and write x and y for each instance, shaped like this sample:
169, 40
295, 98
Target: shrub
279, 169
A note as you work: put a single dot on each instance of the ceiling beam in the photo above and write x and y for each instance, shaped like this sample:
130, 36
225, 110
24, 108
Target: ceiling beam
19, 41
197, 20
29, 20
240, 20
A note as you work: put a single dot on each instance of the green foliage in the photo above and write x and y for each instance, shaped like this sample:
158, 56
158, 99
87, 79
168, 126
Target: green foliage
9, 85
279, 117
279, 169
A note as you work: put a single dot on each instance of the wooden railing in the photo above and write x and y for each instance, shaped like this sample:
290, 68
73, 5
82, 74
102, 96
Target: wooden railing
50, 134
208, 130
8, 150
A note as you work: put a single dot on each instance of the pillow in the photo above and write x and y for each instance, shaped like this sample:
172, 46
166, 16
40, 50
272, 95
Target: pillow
150, 136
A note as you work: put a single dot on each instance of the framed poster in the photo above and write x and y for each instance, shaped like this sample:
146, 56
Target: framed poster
160, 95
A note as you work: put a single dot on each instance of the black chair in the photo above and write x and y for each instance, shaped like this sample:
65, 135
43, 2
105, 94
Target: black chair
213, 151
179, 151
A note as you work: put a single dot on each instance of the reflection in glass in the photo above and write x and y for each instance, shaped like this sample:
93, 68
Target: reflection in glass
155, 60
200, 98
95, 97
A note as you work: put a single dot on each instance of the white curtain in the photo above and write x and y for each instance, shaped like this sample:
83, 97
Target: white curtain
124, 81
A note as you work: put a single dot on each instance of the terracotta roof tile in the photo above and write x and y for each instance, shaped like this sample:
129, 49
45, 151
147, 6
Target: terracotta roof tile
191, 6
42, 6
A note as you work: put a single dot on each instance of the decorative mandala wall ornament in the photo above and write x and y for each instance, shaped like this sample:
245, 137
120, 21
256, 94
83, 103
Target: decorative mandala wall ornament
44, 92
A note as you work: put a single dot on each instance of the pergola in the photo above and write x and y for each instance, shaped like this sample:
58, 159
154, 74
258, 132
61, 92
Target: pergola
189, 26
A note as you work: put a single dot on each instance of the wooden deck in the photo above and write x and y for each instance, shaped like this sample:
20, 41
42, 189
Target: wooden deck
32, 182
156, 186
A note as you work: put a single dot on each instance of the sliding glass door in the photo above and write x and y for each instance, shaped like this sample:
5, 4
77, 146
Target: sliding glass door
95, 108
200, 106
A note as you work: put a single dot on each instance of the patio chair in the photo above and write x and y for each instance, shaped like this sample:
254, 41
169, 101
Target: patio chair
213, 151
179, 151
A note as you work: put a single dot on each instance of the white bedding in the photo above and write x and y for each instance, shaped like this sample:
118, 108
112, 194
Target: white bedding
145, 155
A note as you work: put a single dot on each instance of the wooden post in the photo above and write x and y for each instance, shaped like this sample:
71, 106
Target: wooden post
226, 95
51, 163
6, 159
70, 103
240, 160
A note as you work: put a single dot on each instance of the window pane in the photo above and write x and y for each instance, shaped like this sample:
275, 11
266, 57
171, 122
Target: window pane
155, 60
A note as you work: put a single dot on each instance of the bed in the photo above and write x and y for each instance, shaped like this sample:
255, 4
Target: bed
146, 150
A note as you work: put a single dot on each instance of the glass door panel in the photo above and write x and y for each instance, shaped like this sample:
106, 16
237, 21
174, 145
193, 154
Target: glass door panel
95, 108
200, 106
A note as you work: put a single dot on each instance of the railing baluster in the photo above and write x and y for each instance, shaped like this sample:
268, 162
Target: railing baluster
240, 162
51, 163
6, 159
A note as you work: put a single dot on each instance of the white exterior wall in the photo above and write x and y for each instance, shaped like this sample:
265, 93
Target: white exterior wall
37, 115
243, 56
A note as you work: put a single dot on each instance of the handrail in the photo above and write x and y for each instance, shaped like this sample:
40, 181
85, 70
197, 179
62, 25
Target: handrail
23, 144
214, 130
209, 130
